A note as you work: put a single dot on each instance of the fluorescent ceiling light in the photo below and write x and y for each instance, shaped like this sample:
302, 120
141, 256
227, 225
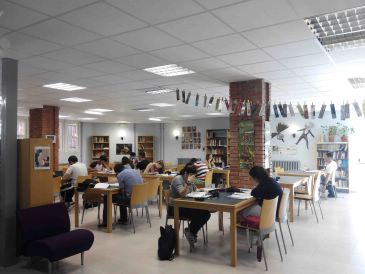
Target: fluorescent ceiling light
93, 112
169, 70
186, 116
215, 113
162, 105
339, 30
87, 118
122, 122
154, 119
75, 100
100, 109
64, 86
144, 109
158, 91
63, 116
162, 117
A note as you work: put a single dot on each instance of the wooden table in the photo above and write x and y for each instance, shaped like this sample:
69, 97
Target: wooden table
106, 191
104, 174
225, 173
290, 182
222, 204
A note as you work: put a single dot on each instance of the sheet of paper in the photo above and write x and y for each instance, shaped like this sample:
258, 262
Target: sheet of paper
198, 195
102, 185
240, 196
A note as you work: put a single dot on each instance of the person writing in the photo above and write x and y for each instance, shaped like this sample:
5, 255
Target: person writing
143, 162
328, 178
154, 167
181, 185
210, 161
100, 165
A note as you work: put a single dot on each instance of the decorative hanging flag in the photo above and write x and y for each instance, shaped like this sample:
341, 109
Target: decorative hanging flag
210, 101
313, 111
205, 100
217, 104
243, 108
248, 108
262, 110
197, 99
347, 110
177, 94
333, 111
285, 110
268, 109
281, 110
254, 108
221, 105
357, 109
300, 109
188, 98
291, 110
238, 107
227, 103
233, 105
276, 113
305, 108
321, 112
342, 112
183, 96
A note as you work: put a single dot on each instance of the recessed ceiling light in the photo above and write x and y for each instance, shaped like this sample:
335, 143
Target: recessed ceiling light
63, 116
162, 105
87, 118
75, 100
122, 122
144, 109
215, 113
169, 70
186, 115
158, 91
100, 109
64, 86
93, 112
154, 119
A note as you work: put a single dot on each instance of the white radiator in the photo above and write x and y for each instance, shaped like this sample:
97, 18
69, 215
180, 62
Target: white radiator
287, 165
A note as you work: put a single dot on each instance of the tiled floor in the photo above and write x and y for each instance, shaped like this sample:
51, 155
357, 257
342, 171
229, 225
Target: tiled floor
335, 245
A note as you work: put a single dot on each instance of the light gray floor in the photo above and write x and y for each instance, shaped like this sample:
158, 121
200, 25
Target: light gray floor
335, 245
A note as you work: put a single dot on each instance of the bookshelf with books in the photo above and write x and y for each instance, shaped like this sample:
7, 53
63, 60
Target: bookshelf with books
145, 143
217, 142
340, 152
100, 146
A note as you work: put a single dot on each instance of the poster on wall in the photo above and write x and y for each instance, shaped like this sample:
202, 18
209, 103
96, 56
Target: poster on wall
246, 144
123, 149
191, 138
42, 157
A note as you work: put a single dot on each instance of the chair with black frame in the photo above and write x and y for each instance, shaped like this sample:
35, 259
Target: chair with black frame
283, 216
90, 200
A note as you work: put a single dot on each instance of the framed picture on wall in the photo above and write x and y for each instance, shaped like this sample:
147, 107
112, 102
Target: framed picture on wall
51, 137
42, 157
122, 149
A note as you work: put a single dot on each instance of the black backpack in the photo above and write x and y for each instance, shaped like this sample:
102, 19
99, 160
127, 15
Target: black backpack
167, 243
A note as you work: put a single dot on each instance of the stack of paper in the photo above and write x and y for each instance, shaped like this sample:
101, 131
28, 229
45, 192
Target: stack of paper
198, 195
248, 190
240, 196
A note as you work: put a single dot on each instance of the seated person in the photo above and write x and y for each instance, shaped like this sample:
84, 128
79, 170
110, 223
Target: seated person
127, 163
201, 169
210, 161
100, 165
143, 162
180, 186
134, 158
69, 179
328, 178
127, 177
217, 177
154, 167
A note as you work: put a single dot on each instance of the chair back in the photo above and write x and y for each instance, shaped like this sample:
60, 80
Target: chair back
81, 179
279, 170
315, 189
208, 178
268, 215
90, 196
152, 185
179, 167
43, 221
283, 209
139, 195
56, 182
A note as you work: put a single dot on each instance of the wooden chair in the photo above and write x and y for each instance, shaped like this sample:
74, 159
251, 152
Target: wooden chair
283, 215
279, 170
180, 167
312, 197
92, 198
208, 178
263, 224
152, 194
81, 179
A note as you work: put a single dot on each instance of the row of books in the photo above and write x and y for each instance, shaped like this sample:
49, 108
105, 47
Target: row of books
336, 154
100, 139
216, 142
221, 151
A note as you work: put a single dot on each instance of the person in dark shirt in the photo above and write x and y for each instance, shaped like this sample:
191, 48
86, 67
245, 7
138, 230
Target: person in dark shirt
143, 162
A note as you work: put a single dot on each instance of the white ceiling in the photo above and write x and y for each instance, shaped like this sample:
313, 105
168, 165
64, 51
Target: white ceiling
104, 45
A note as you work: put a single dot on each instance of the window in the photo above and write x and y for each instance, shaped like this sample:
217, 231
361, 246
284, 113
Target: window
21, 128
72, 137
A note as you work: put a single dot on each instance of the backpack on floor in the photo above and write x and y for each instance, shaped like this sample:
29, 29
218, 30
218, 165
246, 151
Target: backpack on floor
166, 243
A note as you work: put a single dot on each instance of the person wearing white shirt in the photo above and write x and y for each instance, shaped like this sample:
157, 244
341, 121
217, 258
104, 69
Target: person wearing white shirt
328, 178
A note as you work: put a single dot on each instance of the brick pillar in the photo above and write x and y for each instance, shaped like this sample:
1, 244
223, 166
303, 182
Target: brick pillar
44, 121
258, 92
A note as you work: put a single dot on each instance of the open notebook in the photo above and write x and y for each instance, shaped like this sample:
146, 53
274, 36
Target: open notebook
198, 195
240, 196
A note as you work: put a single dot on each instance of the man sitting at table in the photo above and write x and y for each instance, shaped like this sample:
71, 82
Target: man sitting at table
100, 165
143, 162
328, 179
181, 185
127, 177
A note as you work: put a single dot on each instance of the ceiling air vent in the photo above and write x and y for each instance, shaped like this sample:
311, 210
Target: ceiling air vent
357, 82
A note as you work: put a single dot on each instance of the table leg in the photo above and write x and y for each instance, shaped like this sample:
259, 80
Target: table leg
220, 221
227, 179
160, 191
233, 236
177, 229
109, 211
291, 204
76, 208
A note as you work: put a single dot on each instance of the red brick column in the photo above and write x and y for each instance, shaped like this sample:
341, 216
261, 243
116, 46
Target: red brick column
44, 121
258, 92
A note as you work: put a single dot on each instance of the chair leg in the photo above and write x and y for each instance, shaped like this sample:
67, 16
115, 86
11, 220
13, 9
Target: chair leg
263, 250
204, 236
132, 221
282, 236
248, 240
82, 258
291, 237
320, 208
206, 232
148, 216
115, 214
311, 207
98, 214
83, 212
50, 265
277, 241
315, 212
299, 206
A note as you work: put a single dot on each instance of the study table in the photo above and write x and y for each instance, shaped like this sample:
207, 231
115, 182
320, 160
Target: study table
221, 204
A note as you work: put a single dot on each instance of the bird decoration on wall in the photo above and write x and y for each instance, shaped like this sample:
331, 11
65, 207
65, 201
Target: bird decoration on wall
305, 131
279, 129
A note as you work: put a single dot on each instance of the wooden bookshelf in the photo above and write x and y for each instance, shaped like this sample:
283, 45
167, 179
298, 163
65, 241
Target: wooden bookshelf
217, 144
340, 152
100, 146
145, 143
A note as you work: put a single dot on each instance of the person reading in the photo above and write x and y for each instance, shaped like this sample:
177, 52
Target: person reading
328, 178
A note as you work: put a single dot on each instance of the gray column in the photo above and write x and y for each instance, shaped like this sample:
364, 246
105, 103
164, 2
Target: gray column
8, 162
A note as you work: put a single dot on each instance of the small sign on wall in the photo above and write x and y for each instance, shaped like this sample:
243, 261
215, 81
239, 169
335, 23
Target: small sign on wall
42, 157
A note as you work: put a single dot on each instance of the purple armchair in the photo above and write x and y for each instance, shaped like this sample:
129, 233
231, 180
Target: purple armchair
45, 232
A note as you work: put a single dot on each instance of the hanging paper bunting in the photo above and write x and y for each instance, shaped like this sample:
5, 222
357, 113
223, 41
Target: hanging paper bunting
233, 105
220, 105
291, 110
210, 101
197, 99
276, 113
305, 109
262, 110
217, 104
205, 100
313, 111
183, 96
347, 110
285, 110
321, 112
243, 108
188, 98
300, 109
248, 108
177, 94
333, 111
227, 103
281, 110
238, 107
363, 107
343, 114
357, 109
